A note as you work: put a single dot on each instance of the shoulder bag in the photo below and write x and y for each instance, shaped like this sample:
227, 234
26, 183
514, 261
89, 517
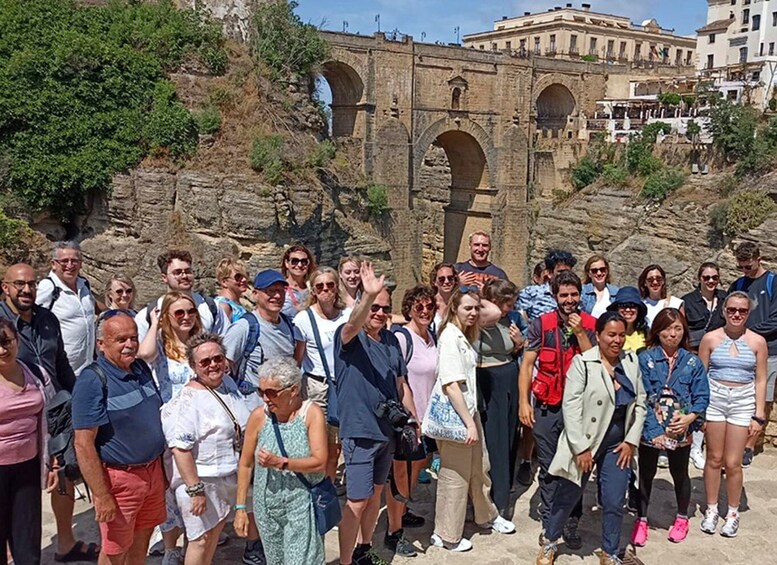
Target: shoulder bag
237, 442
332, 417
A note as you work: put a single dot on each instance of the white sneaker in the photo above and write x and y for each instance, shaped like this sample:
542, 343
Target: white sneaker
463, 545
709, 523
172, 557
500, 525
156, 544
663, 462
697, 458
730, 528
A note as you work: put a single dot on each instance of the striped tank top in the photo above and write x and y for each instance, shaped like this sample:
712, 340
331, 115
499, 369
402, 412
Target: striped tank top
738, 368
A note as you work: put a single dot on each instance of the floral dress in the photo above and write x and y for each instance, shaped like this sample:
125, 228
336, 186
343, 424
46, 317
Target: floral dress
282, 504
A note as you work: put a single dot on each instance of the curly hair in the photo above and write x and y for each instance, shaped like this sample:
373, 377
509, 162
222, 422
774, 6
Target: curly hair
566, 278
559, 257
412, 295
164, 260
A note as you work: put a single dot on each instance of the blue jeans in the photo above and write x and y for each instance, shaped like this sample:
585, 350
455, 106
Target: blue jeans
612, 484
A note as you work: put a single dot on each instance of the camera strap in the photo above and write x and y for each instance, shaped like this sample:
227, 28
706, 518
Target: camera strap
238, 430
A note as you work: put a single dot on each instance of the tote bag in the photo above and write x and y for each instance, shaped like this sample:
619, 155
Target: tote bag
441, 421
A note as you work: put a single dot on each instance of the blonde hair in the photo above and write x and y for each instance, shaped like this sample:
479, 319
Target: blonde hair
356, 260
122, 278
312, 297
225, 267
168, 336
451, 315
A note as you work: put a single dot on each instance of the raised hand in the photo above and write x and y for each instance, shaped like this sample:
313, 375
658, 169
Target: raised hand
371, 283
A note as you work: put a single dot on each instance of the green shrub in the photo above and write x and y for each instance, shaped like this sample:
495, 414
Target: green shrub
639, 158
267, 157
11, 231
759, 159
689, 100
650, 131
773, 104
733, 128
322, 154
718, 219
746, 210
670, 99
661, 184
615, 175
83, 95
377, 199
692, 130
208, 120
585, 172
283, 43
728, 185
590, 58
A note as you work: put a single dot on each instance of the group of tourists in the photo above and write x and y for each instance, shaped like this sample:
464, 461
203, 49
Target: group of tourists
259, 408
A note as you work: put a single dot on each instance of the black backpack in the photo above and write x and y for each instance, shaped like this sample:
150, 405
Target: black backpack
58, 290
59, 416
397, 328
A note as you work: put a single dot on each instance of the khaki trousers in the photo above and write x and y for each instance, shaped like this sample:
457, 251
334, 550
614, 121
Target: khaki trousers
463, 471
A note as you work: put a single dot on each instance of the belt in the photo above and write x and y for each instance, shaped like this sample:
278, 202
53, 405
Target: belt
118, 467
316, 377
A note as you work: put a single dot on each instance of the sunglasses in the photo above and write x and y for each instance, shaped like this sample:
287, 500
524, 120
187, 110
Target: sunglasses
329, 285
294, 261
377, 307
749, 267
629, 306
208, 361
471, 288
21, 285
446, 279
179, 273
181, 314
730, 310
271, 393
598, 270
707, 278
240, 277
428, 307
108, 314
122, 291
651, 280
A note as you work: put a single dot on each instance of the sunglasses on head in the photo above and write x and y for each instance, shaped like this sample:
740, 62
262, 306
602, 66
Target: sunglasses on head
446, 279
329, 285
731, 310
108, 314
377, 307
271, 393
598, 270
208, 361
707, 278
181, 314
294, 261
471, 288
428, 307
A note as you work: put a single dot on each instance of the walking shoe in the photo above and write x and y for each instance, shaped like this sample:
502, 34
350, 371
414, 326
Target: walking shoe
172, 557
697, 458
499, 525
747, 458
639, 534
340, 487
223, 538
254, 553
632, 500
547, 553
572, 539
606, 559
365, 555
435, 467
731, 526
709, 523
524, 475
424, 478
463, 544
679, 530
663, 461
399, 544
157, 544
410, 520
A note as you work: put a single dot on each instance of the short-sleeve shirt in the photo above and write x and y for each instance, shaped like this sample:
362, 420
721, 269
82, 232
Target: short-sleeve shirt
275, 340
366, 372
484, 274
655, 306
456, 360
536, 300
128, 420
312, 361
421, 369
534, 337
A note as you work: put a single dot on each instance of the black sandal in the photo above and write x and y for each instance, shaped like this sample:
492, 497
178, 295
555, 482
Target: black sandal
78, 553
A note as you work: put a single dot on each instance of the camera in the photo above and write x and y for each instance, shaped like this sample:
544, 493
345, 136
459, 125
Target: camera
394, 412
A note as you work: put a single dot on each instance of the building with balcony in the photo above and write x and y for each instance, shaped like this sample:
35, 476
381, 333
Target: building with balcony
573, 33
737, 49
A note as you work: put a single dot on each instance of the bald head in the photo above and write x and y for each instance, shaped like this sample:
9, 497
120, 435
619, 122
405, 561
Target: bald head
19, 286
117, 338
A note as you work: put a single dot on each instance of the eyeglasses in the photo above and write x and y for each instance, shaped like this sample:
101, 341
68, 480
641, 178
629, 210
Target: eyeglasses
730, 310
180, 273
651, 280
294, 261
271, 393
208, 361
629, 306
428, 307
181, 314
5, 340
707, 278
240, 277
66, 262
598, 270
471, 288
123, 291
749, 267
21, 285
329, 285
449, 279
377, 307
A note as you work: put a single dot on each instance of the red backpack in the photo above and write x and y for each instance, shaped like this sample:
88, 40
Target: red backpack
553, 362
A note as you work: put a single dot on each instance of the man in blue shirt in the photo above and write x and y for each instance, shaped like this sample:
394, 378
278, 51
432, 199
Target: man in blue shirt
478, 269
369, 370
537, 299
119, 441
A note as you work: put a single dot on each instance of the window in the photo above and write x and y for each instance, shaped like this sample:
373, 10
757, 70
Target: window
745, 16
761, 50
771, 48
508, 45
637, 51
678, 60
573, 44
482, 46
710, 61
756, 76
711, 38
733, 2
756, 23
536, 45
774, 18
688, 58
494, 46
592, 46
743, 54
553, 43
611, 48
622, 52
523, 45
456, 99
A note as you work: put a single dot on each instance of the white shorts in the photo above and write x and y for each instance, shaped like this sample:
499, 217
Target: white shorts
733, 405
220, 493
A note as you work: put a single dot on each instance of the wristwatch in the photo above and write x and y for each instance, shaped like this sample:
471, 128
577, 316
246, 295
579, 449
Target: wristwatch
760, 421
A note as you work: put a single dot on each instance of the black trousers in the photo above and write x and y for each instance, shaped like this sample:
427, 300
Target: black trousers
20, 512
498, 388
548, 425
678, 468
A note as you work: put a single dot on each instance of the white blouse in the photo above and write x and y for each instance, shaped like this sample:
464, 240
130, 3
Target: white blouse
456, 364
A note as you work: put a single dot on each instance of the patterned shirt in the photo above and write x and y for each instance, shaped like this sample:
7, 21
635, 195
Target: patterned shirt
536, 300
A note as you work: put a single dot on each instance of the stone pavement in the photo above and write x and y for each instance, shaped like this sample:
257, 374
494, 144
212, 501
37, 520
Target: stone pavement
753, 545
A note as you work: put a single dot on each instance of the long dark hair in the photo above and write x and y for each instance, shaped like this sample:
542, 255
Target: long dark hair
663, 320
644, 292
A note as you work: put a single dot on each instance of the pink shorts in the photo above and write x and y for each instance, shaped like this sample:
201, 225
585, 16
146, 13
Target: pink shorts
140, 497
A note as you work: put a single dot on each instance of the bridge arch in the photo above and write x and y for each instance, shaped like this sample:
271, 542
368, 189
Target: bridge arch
347, 89
554, 101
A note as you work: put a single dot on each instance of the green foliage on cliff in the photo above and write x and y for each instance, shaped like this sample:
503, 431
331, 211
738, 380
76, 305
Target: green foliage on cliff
585, 172
285, 45
733, 128
662, 183
267, 157
377, 199
83, 93
746, 210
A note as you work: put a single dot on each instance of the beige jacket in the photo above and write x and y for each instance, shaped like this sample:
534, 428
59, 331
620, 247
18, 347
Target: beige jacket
588, 406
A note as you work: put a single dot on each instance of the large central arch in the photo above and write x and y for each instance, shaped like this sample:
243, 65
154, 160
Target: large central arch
347, 92
554, 105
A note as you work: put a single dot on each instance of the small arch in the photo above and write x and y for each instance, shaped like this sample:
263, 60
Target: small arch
554, 105
456, 99
347, 92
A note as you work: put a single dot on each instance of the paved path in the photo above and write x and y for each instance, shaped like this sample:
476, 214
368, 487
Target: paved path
755, 543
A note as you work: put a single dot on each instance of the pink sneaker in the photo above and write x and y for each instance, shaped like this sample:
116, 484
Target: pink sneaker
679, 530
639, 534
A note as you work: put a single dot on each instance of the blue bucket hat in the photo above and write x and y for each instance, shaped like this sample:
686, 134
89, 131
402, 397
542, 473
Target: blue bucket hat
629, 295
267, 278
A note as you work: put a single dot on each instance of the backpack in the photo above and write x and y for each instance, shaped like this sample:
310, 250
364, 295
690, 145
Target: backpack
58, 290
251, 343
553, 362
397, 328
59, 417
214, 309
739, 284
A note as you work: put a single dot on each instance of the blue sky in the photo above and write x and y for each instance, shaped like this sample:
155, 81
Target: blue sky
438, 18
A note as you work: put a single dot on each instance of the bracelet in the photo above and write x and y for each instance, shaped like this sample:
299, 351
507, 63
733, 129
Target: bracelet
758, 420
240, 507
195, 489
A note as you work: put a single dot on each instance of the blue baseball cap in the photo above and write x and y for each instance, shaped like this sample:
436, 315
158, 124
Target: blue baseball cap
267, 278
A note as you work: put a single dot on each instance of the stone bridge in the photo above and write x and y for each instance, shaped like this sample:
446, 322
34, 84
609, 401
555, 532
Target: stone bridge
485, 109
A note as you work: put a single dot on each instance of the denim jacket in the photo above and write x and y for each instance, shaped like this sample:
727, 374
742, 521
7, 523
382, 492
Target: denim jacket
689, 384
588, 296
